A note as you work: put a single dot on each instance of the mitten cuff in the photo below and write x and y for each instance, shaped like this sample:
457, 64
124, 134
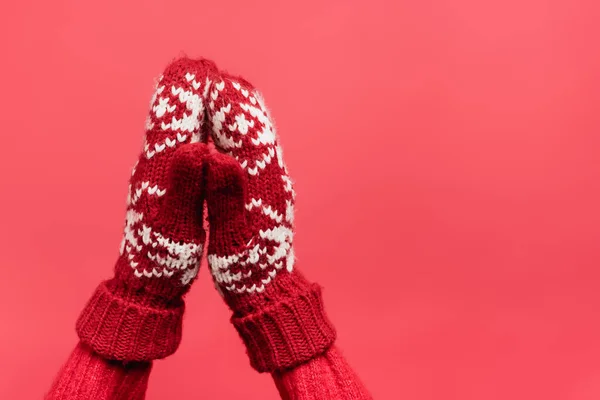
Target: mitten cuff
118, 326
287, 333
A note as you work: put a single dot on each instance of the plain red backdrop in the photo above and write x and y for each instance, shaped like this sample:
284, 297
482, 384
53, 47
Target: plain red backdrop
446, 156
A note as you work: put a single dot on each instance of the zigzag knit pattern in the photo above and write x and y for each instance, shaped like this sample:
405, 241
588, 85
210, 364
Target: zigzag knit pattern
242, 127
250, 197
136, 316
176, 118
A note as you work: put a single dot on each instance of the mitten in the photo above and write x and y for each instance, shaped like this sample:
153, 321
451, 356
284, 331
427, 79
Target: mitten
137, 315
250, 197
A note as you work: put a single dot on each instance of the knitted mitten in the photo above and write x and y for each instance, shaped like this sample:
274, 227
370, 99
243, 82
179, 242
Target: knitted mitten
250, 198
137, 315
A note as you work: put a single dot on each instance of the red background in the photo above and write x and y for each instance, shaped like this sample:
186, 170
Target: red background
446, 160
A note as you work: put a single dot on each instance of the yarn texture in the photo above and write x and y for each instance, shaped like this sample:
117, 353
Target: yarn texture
250, 197
137, 315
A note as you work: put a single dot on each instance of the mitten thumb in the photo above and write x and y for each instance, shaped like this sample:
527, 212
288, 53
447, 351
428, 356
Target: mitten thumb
180, 215
226, 200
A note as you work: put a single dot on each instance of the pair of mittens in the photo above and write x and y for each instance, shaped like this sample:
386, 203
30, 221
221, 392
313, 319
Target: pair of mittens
137, 315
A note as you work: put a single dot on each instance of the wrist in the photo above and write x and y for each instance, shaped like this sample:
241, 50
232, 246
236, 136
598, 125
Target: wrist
288, 329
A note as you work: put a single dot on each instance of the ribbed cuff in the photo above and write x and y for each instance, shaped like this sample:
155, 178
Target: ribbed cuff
288, 333
118, 328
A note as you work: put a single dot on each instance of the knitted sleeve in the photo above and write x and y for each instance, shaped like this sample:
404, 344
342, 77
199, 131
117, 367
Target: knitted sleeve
86, 375
325, 377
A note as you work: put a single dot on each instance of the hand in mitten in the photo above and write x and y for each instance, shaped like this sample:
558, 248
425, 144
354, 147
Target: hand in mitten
137, 315
250, 198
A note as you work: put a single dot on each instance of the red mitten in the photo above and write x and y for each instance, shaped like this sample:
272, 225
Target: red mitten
137, 315
277, 312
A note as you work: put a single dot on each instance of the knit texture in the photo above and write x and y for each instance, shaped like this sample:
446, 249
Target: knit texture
121, 324
326, 377
137, 315
87, 376
250, 198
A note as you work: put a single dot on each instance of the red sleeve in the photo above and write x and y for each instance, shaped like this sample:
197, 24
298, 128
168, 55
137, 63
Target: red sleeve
87, 376
325, 377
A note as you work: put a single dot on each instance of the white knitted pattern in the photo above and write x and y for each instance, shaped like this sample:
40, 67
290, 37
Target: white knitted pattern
175, 118
245, 130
